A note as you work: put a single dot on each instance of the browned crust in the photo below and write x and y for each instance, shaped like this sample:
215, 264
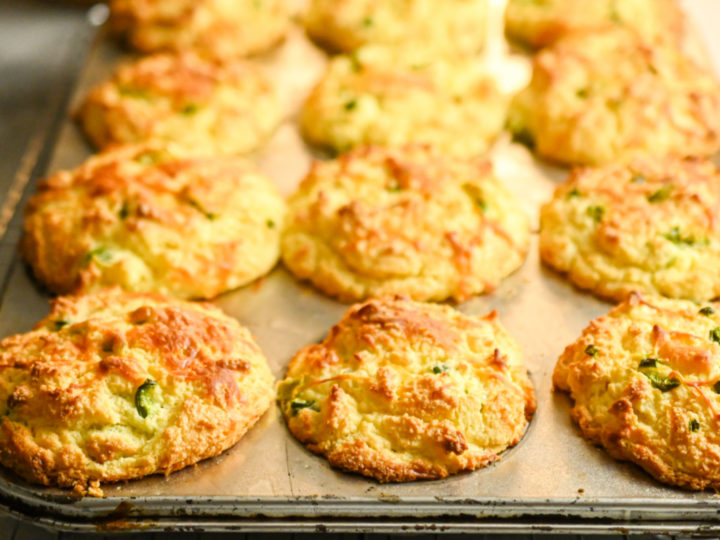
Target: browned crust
599, 257
373, 399
671, 450
62, 389
202, 25
668, 17
140, 212
403, 220
160, 96
608, 96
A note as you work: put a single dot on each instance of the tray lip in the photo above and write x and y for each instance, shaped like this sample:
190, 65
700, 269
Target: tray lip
310, 524
70, 508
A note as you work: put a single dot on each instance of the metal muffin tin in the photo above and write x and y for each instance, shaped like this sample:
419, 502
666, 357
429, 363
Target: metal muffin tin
553, 480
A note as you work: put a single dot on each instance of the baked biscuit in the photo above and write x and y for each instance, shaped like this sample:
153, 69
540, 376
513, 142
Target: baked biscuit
645, 380
406, 220
607, 96
403, 391
225, 108
148, 219
389, 97
539, 24
114, 386
220, 29
649, 226
346, 25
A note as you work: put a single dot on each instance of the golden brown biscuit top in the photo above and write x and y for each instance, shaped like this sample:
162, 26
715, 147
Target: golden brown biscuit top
185, 79
542, 23
396, 71
394, 96
219, 29
385, 211
408, 336
179, 12
645, 379
453, 25
211, 107
114, 386
116, 334
149, 218
653, 199
146, 182
664, 342
169, 12
650, 225
607, 96
615, 62
379, 323
378, 326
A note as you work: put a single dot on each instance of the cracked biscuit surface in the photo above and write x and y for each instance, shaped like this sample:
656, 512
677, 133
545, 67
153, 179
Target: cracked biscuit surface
210, 107
346, 25
391, 97
402, 391
645, 380
220, 29
114, 386
608, 96
406, 220
541, 22
650, 226
147, 218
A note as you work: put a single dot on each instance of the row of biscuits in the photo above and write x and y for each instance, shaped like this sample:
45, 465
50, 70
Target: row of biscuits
223, 30
374, 221
398, 390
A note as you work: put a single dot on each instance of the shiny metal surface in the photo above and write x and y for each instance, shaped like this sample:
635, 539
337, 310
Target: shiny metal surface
552, 479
